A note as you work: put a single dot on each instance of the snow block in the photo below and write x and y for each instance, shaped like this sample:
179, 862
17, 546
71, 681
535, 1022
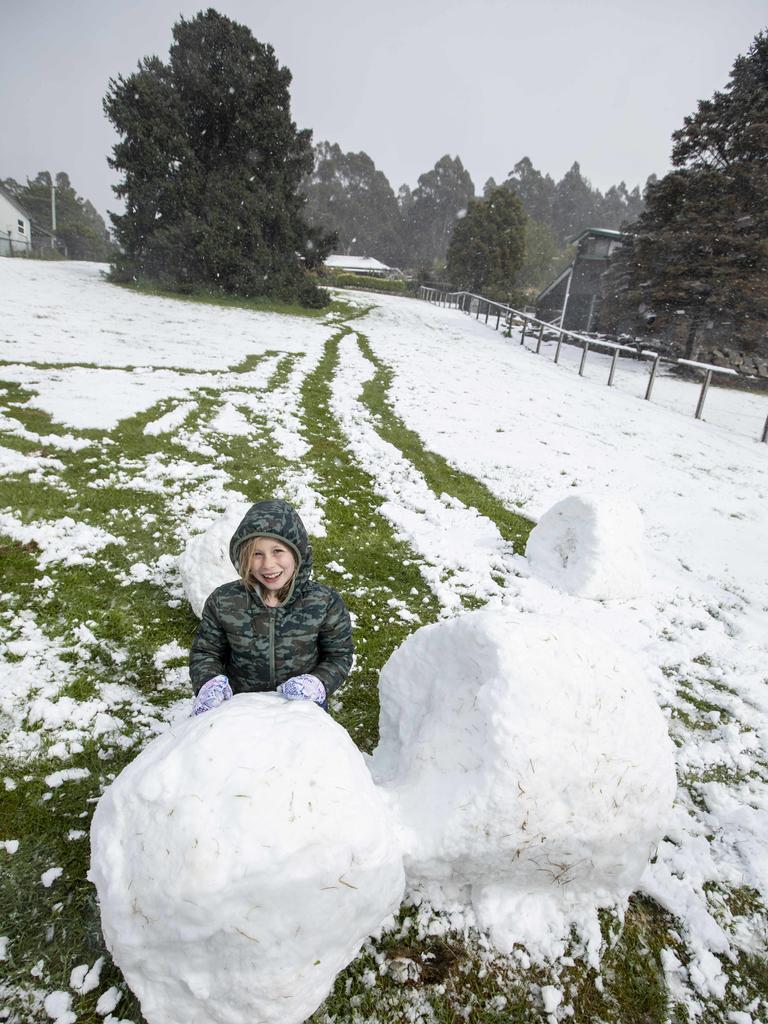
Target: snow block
204, 563
530, 770
591, 547
240, 861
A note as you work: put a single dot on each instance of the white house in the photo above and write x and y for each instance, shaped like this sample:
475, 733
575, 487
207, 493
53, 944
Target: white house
358, 265
15, 226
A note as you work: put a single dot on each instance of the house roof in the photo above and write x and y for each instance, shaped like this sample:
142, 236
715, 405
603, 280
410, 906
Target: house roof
13, 201
364, 263
600, 232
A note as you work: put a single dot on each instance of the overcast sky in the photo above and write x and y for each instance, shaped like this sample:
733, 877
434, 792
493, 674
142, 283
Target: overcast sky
601, 82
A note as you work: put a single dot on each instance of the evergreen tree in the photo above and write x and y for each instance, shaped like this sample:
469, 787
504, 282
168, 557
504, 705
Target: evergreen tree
347, 194
211, 165
543, 260
433, 208
571, 204
487, 245
488, 187
78, 224
618, 207
536, 190
701, 246
574, 205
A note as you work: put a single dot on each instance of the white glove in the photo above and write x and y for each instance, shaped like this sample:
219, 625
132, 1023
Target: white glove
212, 694
303, 688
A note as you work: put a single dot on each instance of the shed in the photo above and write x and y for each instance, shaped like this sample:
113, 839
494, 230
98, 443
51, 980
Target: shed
573, 298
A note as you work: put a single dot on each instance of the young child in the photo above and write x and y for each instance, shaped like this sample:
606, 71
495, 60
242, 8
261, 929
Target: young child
275, 628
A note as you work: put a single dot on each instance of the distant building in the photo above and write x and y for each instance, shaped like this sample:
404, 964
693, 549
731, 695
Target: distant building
360, 265
15, 226
572, 300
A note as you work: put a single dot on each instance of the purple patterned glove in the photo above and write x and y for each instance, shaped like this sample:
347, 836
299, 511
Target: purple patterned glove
211, 695
303, 688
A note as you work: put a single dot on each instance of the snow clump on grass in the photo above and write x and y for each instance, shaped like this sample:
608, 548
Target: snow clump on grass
530, 769
241, 860
204, 564
591, 547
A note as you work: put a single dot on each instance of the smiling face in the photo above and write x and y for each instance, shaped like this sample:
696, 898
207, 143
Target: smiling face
272, 564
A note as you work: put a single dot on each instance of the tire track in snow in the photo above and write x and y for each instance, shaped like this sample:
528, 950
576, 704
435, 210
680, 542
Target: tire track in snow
280, 404
467, 561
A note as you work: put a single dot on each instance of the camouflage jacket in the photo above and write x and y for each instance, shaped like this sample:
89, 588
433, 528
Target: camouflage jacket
257, 646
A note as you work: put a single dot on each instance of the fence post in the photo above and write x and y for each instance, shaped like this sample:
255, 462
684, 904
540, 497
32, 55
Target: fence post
538, 343
613, 367
525, 328
498, 317
557, 350
583, 357
703, 395
477, 315
487, 310
652, 377
764, 438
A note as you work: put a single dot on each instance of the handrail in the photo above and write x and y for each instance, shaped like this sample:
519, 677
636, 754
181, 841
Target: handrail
458, 300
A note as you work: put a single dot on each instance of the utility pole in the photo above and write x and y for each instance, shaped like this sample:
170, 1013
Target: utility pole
53, 215
567, 296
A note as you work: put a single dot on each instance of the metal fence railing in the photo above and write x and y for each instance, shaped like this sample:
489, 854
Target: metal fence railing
468, 302
13, 246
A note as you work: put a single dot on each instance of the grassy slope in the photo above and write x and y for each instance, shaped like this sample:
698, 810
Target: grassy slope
52, 930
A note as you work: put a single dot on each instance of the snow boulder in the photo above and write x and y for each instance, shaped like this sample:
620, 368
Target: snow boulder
240, 862
591, 547
529, 768
204, 563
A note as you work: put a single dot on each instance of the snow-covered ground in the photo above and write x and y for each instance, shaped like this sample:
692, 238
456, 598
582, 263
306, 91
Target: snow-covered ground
533, 432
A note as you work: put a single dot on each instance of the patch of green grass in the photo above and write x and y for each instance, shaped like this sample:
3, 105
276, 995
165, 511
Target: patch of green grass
381, 566
256, 304
57, 928
458, 979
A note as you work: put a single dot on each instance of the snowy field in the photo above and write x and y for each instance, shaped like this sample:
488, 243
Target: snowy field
129, 423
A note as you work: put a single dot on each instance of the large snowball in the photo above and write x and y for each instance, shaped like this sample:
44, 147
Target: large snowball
240, 862
204, 564
591, 547
527, 761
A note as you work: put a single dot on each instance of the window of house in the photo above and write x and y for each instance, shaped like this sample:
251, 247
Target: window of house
20, 223
599, 247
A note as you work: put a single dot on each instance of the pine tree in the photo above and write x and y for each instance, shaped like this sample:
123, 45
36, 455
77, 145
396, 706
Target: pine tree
487, 245
211, 165
698, 255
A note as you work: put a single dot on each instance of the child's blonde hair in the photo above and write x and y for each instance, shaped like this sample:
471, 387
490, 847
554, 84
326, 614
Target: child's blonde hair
244, 556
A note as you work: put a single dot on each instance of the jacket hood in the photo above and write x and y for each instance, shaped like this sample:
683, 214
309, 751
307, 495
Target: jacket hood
275, 518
